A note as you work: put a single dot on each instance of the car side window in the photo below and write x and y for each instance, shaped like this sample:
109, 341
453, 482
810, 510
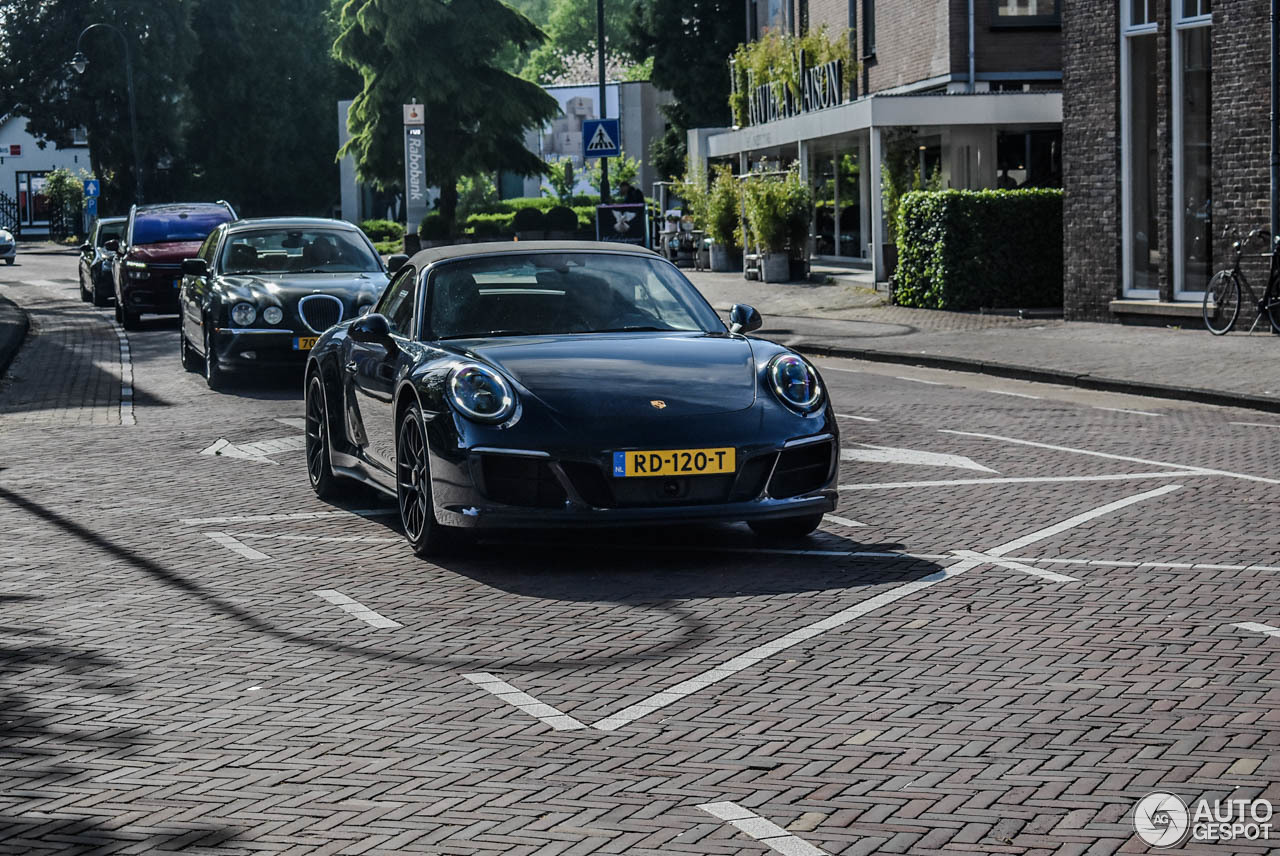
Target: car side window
206, 249
398, 301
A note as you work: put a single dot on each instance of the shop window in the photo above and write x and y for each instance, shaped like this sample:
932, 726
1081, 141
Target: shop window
1026, 13
868, 28
1142, 232
1193, 161
1028, 159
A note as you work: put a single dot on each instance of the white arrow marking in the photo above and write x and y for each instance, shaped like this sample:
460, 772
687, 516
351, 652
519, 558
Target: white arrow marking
258, 451
885, 455
766, 832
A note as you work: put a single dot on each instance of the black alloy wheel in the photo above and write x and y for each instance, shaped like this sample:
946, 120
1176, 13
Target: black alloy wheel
413, 489
84, 292
190, 361
213, 374
319, 464
786, 529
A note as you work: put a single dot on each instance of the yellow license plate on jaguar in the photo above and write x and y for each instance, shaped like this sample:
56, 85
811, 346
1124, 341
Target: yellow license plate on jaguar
305, 343
674, 462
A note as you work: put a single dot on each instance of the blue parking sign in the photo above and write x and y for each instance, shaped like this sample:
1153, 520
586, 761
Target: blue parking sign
91, 208
91, 188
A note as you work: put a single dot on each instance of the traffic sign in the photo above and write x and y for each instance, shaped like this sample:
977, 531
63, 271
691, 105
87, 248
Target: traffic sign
601, 138
91, 208
91, 188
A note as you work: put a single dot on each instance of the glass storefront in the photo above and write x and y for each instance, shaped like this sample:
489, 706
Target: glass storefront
1142, 229
837, 194
1195, 168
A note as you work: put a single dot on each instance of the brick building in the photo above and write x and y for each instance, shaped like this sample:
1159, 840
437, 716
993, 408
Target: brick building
1166, 142
967, 90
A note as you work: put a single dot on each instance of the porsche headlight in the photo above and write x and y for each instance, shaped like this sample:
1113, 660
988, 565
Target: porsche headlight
481, 394
272, 314
795, 383
242, 314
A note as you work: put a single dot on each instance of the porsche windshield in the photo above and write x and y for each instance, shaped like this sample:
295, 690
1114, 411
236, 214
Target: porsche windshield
538, 294
297, 251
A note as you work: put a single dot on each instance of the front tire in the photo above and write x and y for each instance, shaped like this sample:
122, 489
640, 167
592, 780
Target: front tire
319, 464
413, 489
1221, 303
213, 374
190, 361
786, 529
84, 292
100, 296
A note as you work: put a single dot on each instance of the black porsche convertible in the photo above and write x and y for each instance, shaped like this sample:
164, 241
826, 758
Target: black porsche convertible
547, 384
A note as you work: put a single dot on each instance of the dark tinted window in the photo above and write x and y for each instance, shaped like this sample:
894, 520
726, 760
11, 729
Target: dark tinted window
158, 228
397, 301
107, 231
298, 251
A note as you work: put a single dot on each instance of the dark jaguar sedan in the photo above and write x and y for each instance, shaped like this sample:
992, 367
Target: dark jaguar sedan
565, 384
96, 284
259, 293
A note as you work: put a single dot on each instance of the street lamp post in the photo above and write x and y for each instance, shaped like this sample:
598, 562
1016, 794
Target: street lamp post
80, 62
604, 162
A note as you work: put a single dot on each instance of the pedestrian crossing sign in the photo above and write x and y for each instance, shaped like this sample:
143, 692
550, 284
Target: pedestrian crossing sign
600, 138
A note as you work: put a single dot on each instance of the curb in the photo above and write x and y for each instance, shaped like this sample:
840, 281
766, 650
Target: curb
1039, 375
13, 329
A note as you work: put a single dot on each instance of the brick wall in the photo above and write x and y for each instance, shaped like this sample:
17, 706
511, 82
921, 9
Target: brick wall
912, 44
1002, 48
1091, 158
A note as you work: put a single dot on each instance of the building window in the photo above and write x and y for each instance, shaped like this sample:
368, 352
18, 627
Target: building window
868, 28
1194, 8
1140, 229
1026, 13
1192, 152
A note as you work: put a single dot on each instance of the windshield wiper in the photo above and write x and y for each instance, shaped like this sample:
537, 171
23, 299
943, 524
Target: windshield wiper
490, 334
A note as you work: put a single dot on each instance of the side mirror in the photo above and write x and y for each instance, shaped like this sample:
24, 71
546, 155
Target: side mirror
86, 247
394, 263
112, 245
195, 267
744, 319
373, 329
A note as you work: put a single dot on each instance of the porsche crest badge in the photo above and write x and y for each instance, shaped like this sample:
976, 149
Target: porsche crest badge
658, 404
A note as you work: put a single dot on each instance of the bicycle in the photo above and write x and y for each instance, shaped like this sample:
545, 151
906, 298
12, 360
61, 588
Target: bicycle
1222, 295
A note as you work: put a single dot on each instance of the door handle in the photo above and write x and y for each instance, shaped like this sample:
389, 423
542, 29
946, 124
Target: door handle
351, 367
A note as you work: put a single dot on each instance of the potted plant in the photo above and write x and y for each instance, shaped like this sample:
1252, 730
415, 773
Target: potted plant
433, 231
529, 224
768, 224
561, 223
723, 221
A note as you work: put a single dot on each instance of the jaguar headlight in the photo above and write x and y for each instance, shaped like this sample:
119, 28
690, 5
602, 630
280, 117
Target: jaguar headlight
795, 383
6, 236
242, 314
481, 394
272, 314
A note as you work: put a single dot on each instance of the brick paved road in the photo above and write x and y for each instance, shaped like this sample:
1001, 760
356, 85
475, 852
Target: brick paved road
1000, 660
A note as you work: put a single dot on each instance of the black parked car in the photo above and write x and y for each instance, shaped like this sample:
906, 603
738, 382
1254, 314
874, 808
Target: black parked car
259, 293
96, 285
547, 383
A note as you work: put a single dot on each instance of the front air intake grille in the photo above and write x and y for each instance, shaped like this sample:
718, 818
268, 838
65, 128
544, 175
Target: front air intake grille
590, 483
527, 482
751, 478
320, 311
801, 470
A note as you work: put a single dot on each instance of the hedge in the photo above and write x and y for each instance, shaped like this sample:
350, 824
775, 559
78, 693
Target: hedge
382, 230
965, 249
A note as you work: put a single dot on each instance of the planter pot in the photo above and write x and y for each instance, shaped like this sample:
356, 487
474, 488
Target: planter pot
890, 260
775, 267
799, 269
532, 235
559, 235
440, 242
412, 243
725, 259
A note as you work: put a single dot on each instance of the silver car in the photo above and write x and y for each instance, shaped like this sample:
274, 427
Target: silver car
8, 247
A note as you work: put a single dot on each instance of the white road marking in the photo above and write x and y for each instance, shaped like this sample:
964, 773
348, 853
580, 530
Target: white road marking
258, 451
46, 283
1255, 627
1017, 566
293, 422
1021, 480
859, 418
761, 652
530, 705
1258, 424
1014, 394
914, 457
918, 380
843, 521
126, 377
297, 515
766, 832
1103, 563
1190, 470
842, 369
336, 539
357, 609
236, 547
1123, 410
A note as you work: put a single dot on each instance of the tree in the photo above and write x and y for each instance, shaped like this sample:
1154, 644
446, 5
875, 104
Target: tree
265, 86
571, 30
446, 53
690, 42
37, 40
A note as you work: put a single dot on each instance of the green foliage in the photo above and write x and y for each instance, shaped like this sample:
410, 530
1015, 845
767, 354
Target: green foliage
773, 58
389, 247
446, 54
434, 227
900, 174
529, 220
716, 207
963, 249
620, 169
561, 178
64, 189
688, 41
475, 193
571, 31
778, 210
561, 219
382, 230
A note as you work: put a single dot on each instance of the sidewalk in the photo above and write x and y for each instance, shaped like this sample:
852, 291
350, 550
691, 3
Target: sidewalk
13, 329
845, 318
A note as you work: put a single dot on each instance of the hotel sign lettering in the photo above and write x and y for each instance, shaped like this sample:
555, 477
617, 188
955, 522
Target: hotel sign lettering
821, 86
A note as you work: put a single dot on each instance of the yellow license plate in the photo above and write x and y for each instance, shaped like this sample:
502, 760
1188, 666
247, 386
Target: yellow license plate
674, 462
305, 343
